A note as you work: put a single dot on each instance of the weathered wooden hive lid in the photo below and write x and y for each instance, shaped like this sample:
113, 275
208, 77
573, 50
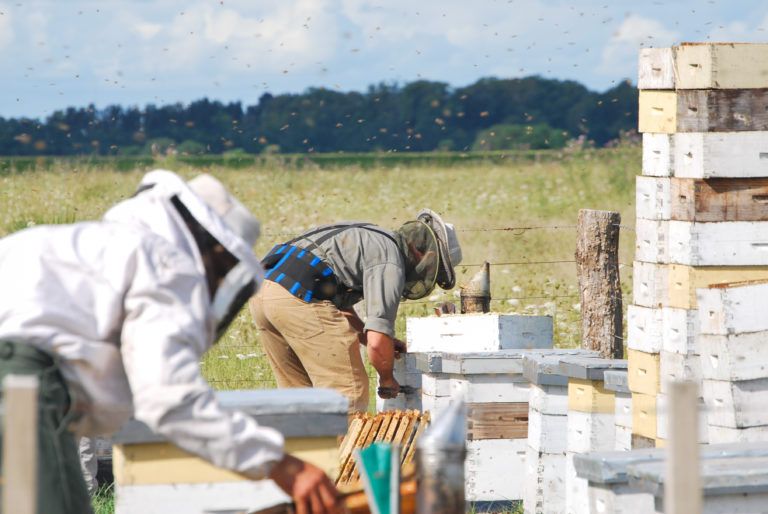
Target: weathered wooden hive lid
719, 476
615, 467
310, 412
542, 367
284, 401
586, 368
616, 380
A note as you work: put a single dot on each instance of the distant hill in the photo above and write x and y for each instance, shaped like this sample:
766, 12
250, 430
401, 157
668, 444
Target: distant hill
491, 114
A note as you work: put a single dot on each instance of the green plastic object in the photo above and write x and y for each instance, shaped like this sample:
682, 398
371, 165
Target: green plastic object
379, 466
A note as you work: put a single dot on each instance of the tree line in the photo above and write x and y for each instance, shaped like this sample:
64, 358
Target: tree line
491, 114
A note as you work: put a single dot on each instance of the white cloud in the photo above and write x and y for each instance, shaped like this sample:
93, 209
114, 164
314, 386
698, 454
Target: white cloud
206, 37
147, 30
740, 31
457, 22
619, 56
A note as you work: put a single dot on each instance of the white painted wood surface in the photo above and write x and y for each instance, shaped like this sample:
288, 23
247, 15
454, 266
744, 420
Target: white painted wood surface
623, 438
721, 154
623, 412
653, 198
677, 367
652, 330
718, 434
738, 503
436, 384
735, 243
590, 431
468, 333
731, 243
434, 404
650, 284
576, 489
243, 496
547, 433
618, 499
736, 404
680, 327
490, 388
544, 488
719, 66
652, 241
733, 310
734, 357
656, 69
495, 469
658, 155
549, 399
644, 329
662, 418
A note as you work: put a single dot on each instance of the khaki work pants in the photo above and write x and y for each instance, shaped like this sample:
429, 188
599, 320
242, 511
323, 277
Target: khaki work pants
310, 344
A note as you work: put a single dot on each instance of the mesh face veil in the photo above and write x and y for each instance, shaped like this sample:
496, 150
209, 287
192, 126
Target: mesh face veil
422, 259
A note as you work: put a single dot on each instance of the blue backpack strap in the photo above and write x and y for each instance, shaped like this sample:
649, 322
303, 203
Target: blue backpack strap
301, 272
304, 274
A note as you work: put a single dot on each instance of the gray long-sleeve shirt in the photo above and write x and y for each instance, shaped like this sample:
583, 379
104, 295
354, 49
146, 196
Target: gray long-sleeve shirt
371, 265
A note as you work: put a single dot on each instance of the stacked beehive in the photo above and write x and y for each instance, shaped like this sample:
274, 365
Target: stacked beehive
702, 206
591, 419
734, 330
467, 333
479, 357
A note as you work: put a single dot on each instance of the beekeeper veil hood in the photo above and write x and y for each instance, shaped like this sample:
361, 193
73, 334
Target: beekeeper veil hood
203, 219
432, 250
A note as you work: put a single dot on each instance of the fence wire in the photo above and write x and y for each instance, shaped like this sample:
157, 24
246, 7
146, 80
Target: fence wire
252, 352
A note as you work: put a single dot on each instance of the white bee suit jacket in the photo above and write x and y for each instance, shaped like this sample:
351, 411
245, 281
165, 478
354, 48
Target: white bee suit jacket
124, 306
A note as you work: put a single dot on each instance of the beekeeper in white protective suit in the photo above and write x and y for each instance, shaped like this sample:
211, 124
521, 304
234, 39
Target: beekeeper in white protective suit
114, 317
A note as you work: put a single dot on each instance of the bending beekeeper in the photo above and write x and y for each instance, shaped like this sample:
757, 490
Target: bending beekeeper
114, 317
304, 311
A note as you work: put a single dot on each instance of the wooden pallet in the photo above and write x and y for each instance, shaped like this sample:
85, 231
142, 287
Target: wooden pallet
401, 428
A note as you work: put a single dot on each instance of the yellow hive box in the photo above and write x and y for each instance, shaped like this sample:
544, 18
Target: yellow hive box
164, 463
702, 110
675, 285
643, 372
590, 396
658, 112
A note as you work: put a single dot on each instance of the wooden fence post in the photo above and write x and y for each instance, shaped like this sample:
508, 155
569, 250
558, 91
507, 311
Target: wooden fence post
682, 483
597, 263
20, 444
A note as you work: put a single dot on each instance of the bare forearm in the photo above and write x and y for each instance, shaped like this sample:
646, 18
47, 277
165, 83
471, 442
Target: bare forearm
381, 353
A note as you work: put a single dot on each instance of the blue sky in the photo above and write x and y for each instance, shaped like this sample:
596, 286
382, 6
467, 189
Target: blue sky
55, 54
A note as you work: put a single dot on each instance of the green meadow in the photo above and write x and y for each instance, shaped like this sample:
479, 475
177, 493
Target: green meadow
515, 210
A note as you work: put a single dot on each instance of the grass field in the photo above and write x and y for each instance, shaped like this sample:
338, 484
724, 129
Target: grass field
509, 209
519, 208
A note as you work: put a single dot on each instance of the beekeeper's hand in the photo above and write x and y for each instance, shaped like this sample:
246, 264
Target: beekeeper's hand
311, 489
400, 348
388, 388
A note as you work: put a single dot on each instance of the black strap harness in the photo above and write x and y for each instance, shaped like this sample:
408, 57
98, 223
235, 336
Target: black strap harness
304, 274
